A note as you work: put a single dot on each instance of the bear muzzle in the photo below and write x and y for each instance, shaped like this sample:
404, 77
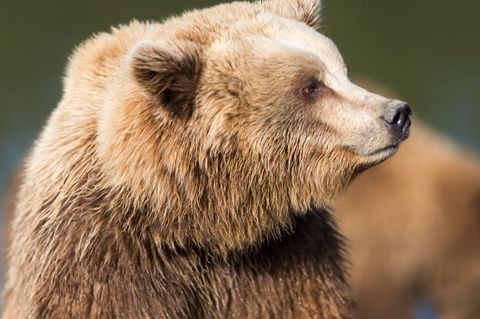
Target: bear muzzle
397, 118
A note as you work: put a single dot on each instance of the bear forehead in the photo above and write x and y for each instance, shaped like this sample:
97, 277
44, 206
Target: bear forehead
268, 34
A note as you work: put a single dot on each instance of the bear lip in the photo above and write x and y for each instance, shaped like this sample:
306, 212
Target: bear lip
382, 154
388, 149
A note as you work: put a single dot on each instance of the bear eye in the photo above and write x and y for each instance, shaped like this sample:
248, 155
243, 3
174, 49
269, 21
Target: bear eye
312, 87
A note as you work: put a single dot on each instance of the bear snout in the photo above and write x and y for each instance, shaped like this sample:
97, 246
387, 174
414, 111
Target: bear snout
397, 117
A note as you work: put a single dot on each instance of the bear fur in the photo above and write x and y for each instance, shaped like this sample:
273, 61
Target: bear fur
451, 296
413, 225
185, 172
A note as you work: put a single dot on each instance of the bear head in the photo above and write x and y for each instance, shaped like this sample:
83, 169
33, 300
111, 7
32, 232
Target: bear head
227, 122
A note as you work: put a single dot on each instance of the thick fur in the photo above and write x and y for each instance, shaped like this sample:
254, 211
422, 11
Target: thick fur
452, 296
177, 176
8, 209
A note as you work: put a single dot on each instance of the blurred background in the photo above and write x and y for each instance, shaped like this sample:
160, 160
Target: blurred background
427, 51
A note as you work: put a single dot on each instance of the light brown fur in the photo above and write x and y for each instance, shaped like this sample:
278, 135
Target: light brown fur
184, 172
8, 209
413, 224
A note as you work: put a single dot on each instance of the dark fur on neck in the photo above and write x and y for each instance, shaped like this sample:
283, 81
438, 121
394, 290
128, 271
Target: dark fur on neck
299, 275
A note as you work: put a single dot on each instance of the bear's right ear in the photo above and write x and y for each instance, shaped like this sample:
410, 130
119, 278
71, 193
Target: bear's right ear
169, 73
307, 11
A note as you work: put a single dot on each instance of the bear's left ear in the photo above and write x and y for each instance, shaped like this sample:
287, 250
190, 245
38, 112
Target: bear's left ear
169, 73
307, 11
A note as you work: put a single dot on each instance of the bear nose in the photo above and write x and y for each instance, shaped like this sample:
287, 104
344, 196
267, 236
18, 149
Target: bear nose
397, 115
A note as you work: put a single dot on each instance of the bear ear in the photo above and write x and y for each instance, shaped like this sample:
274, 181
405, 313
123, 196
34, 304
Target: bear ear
169, 73
307, 11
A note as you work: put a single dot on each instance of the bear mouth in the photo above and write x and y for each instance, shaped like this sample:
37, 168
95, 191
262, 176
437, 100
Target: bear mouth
383, 153
372, 158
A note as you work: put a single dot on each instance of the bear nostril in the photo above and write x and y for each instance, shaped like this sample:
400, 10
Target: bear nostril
399, 119
397, 115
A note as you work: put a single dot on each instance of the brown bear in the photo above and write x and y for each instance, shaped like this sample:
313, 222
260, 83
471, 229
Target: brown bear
440, 272
414, 228
186, 171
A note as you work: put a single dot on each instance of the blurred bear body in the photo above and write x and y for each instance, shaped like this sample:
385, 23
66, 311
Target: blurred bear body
414, 227
174, 180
